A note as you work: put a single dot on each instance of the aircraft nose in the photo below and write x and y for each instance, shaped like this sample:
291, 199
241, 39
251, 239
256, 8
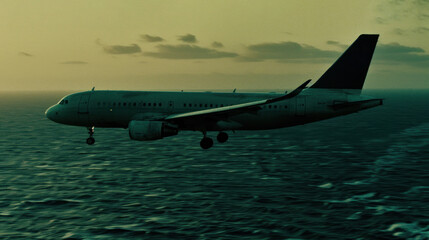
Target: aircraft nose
51, 112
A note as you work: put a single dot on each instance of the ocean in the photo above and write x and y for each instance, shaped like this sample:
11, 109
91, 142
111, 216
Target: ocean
361, 176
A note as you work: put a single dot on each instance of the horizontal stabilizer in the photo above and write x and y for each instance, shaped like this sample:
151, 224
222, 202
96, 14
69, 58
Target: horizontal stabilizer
368, 103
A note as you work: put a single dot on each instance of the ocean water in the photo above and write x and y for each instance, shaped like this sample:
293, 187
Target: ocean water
361, 176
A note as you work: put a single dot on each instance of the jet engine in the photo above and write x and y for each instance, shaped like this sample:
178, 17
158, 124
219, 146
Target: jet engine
150, 130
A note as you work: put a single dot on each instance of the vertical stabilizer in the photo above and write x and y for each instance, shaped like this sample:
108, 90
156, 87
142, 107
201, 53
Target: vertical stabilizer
349, 71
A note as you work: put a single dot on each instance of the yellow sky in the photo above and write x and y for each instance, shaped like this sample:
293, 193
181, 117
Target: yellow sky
74, 45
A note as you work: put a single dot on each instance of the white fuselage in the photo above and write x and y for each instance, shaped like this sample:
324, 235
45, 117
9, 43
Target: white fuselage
117, 108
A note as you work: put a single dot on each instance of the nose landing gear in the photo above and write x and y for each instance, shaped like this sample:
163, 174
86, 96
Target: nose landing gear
90, 140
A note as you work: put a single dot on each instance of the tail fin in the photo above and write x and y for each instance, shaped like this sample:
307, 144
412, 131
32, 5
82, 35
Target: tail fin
350, 70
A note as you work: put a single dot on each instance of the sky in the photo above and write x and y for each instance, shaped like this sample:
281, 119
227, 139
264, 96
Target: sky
205, 45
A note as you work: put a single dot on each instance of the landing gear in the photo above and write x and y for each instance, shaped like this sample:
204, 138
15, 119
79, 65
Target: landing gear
222, 137
206, 143
90, 140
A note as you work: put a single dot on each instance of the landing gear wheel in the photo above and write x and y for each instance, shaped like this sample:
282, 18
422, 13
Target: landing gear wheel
222, 137
90, 140
206, 143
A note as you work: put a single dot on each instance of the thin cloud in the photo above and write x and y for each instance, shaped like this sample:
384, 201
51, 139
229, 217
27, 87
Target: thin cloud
120, 49
188, 38
185, 51
74, 62
399, 54
25, 54
217, 45
337, 44
421, 30
417, 30
401, 11
149, 38
286, 51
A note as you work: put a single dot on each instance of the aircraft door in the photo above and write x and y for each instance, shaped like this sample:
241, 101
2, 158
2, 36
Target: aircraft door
83, 104
301, 102
83, 109
170, 106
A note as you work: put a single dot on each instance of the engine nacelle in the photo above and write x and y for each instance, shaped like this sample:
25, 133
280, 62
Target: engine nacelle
150, 130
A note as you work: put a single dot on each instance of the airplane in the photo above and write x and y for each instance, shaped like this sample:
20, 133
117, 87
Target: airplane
151, 115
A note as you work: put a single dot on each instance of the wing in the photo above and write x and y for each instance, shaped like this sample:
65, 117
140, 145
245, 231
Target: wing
223, 113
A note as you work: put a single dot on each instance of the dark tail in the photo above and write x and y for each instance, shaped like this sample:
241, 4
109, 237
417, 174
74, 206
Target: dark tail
350, 70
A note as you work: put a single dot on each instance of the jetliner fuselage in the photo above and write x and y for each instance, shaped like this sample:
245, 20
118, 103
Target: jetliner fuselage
115, 109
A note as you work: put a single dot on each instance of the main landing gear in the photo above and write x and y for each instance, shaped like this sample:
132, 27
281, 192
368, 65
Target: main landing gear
90, 140
207, 142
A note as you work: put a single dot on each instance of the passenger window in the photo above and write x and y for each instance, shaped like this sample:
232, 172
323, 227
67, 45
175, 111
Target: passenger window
144, 104
201, 105
148, 104
285, 106
205, 105
211, 105
125, 104
190, 105
184, 104
154, 104
275, 106
134, 104
269, 106
159, 104
114, 104
221, 105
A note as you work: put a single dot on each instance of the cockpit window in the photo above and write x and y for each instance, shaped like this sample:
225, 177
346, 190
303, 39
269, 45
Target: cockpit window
63, 101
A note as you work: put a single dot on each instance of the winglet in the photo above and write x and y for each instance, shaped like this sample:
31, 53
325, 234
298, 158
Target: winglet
292, 94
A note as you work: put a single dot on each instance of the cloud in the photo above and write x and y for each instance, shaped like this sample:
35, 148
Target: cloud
395, 53
119, 49
417, 30
421, 30
217, 45
188, 38
25, 54
75, 62
185, 51
401, 11
286, 51
149, 38
337, 44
